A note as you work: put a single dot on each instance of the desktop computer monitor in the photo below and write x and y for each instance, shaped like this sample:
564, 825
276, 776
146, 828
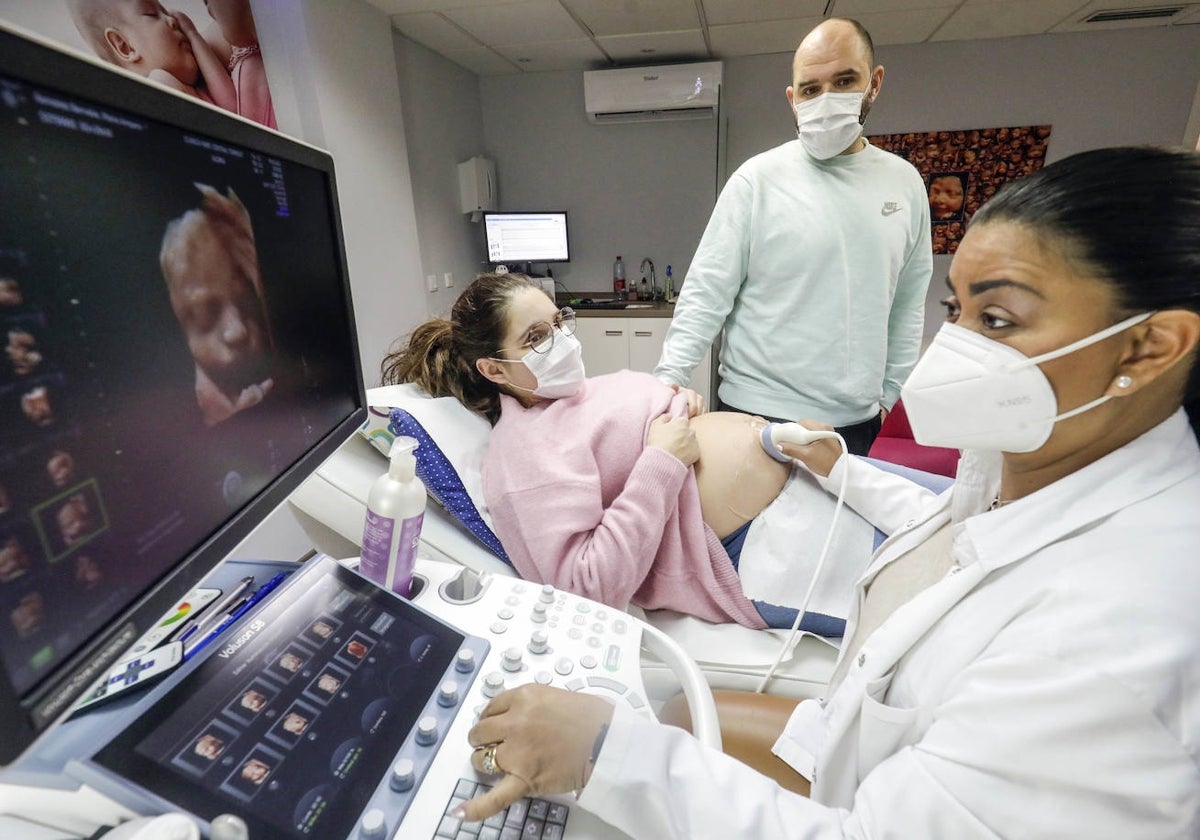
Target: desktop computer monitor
523, 239
180, 353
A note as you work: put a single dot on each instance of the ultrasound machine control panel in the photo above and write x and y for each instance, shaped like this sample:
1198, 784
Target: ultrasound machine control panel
339, 710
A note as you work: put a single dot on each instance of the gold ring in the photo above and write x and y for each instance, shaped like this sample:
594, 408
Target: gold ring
490, 766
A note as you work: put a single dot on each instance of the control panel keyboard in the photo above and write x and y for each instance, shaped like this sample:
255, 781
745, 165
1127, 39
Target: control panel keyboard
525, 819
534, 634
543, 635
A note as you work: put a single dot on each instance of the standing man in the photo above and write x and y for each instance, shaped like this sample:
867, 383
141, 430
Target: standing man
815, 261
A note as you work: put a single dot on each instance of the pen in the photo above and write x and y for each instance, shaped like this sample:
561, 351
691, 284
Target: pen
263, 591
198, 623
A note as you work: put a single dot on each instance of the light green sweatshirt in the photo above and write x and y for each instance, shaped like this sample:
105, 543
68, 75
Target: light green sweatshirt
817, 271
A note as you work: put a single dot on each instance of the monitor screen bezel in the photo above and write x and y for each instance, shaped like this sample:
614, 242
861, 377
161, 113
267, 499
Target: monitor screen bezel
492, 214
27, 57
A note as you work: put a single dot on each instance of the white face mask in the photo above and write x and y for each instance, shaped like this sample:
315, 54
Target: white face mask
829, 123
971, 392
559, 371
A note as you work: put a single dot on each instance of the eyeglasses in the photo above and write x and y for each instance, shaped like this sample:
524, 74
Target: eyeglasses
540, 337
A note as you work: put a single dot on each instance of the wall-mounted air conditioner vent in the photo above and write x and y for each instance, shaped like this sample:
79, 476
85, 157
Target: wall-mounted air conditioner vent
644, 94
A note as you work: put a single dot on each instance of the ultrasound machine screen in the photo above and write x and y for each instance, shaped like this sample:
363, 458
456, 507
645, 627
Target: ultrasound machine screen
179, 354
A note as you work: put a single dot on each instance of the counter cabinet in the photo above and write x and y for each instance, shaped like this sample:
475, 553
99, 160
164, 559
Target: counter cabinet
612, 343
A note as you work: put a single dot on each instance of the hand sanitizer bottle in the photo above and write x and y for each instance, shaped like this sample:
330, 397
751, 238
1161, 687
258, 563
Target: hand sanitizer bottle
395, 511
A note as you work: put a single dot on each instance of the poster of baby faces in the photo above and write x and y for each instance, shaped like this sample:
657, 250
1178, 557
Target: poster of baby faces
962, 169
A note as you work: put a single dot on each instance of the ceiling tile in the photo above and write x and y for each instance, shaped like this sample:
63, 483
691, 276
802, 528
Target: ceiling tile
401, 7
759, 38
718, 12
513, 23
854, 8
622, 29
434, 31
656, 47
484, 62
903, 27
579, 54
628, 17
1005, 18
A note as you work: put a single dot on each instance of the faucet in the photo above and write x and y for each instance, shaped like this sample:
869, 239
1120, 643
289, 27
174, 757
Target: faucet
655, 292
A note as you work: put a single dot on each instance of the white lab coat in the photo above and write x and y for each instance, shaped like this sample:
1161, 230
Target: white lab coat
1048, 686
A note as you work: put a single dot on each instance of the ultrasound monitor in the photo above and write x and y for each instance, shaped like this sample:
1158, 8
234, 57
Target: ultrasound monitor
526, 238
180, 353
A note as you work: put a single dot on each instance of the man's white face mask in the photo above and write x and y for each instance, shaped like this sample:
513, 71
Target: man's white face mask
829, 123
971, 392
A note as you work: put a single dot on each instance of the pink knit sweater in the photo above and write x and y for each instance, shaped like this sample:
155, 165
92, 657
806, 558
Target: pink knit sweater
579, 501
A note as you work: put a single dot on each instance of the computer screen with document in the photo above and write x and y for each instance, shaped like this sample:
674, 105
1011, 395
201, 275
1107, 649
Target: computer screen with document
527, 237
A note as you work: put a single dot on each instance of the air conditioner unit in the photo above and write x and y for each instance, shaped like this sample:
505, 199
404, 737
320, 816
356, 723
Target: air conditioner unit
644, 94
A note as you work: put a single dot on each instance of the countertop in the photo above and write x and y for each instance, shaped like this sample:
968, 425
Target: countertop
632, 309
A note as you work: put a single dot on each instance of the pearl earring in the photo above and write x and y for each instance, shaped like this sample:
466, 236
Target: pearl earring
1124, 381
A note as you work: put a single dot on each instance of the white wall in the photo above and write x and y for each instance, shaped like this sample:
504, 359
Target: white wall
638, 190
443, 123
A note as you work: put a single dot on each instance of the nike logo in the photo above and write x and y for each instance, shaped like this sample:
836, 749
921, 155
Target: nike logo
889, 207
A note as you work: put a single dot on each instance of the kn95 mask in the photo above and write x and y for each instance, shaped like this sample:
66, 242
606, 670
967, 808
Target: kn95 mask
972, 392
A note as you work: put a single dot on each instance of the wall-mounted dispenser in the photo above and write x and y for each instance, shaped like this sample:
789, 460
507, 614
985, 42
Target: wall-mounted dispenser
477, 186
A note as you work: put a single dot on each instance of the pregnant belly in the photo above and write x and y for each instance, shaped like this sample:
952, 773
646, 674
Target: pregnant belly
736, 478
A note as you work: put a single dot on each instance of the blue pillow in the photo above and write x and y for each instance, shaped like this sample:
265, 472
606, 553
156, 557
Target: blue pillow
442, 482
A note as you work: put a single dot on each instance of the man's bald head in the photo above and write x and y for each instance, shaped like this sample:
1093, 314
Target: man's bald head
834, 34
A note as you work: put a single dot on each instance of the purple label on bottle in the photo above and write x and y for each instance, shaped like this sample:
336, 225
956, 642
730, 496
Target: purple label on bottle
377, 543
406, 554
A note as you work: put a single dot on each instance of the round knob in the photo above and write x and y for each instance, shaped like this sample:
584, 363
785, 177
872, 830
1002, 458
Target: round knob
464, 663
539, 640
448, 693
493, 684
546, 596
539, 613
512, 660
404, 775
373, 825
427, 730
229, 827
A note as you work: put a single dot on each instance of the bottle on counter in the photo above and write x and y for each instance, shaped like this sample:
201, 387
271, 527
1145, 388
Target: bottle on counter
395, 512
644, 289
669, 284
619, 278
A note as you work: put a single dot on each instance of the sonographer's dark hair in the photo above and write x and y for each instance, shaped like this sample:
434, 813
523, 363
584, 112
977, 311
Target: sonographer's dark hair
440, 355
1132, 214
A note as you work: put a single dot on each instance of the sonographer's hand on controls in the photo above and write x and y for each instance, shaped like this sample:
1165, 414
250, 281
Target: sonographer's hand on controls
539, 740
820, 455
674, 435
